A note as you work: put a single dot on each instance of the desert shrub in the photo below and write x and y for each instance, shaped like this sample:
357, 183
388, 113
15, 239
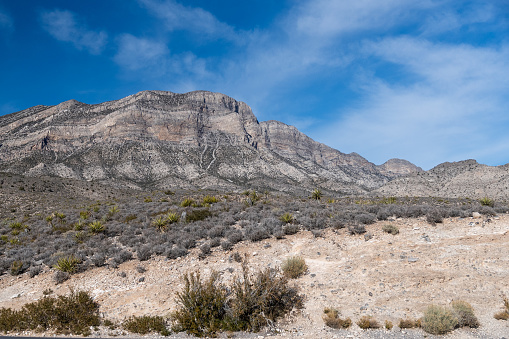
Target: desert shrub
294, 267
67, 264
74, 313
17, 267
205, 308
503, 315
98, 259
331, 318
260, 298
256, 233
487, 202
216, 232
198, 214
391, 229
487, 210
438, 320
59, 277
235, 236
388, 325
366, 322
201, 304
122, 256
383, 214
465, 314
146, 324
357, 229
226, 245
130, 217
434, 216
365, 218
290, 229
34, 270
176, 252
144, 253
409, 323
204, 250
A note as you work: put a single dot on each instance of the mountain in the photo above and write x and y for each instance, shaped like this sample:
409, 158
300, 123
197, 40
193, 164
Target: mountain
454, 180
156, 139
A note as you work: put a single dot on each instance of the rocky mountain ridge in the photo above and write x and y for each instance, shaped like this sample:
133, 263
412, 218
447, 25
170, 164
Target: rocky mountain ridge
156, 139
459, 179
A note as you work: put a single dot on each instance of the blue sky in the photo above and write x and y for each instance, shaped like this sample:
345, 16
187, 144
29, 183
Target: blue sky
422, 80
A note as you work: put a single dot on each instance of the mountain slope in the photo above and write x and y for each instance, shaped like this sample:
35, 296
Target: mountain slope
156, 139
458, 179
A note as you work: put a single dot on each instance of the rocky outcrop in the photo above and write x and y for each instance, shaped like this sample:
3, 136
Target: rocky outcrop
156, 139
398, 167
457, 179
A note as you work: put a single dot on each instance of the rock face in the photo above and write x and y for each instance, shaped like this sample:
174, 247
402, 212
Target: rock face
156, 139
458, 179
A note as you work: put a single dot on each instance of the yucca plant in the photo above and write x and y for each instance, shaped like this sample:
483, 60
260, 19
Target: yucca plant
317, 194
67, 264
160, 224
96, 227
287, 218
172, 217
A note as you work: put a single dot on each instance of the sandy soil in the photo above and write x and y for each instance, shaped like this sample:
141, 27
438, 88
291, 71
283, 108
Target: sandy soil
388, 276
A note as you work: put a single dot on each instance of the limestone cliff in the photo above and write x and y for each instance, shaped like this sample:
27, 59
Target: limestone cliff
156, 139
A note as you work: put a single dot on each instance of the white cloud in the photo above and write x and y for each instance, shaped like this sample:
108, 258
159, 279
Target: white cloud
452, 110
137, 53
6, 21
194, 19
63, 26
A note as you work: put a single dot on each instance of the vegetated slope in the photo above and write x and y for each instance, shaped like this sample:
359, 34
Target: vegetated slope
458, 179
156, 139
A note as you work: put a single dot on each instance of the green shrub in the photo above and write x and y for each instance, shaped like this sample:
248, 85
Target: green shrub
465, 314
487, 202
367, 322
438, 320
71, 314
294, 267
286, 218
201, 306
16, 267
391, 229
260, 298
67, 264
197, 215
205, 308
331, 318
146, 324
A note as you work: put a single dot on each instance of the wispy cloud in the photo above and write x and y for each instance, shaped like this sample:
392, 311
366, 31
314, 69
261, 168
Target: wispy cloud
453, 106
64, 26
6, 22
193, 19
138, 53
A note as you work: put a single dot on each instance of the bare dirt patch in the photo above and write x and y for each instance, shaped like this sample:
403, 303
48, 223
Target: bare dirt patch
389, 277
